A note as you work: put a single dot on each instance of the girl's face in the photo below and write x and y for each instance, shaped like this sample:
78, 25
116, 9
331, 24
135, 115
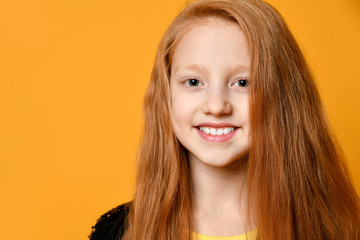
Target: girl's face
210, 92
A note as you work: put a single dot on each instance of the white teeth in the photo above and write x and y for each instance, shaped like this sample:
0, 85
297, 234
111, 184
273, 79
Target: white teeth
217, 131
207, 130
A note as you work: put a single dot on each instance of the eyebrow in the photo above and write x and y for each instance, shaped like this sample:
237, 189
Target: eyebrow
194, 67
238, 68
201, 68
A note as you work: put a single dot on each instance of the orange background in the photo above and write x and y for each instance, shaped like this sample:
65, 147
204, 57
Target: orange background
72, 79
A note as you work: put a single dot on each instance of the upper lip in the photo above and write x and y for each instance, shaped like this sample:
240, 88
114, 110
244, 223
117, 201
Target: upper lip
216, 125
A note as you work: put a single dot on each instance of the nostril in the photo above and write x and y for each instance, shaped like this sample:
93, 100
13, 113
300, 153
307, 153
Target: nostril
217, 105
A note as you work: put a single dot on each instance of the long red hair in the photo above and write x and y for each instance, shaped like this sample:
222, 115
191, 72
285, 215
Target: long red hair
298, 186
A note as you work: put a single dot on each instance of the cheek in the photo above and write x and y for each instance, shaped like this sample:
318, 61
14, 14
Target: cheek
244, 106
179, 122
240, 103
179, 115
181, 110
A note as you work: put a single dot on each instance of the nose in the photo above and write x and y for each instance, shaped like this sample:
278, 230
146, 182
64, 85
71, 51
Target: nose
217, 103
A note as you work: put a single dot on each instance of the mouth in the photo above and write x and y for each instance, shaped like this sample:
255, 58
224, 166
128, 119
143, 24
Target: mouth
216, 132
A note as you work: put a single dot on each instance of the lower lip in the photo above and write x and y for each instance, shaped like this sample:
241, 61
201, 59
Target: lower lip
221, 138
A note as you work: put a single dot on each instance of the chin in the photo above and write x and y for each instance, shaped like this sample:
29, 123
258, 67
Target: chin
225, 161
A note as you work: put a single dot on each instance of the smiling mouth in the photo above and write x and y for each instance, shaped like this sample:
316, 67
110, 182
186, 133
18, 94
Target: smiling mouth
216, 131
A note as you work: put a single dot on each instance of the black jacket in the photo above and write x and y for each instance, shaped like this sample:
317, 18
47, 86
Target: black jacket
111, 225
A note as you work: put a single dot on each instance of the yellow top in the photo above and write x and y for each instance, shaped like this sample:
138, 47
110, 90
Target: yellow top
246, 236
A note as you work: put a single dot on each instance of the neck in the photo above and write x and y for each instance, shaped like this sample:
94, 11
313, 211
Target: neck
217, 194
215, 186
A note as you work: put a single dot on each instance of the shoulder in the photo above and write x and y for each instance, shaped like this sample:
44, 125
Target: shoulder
111, 225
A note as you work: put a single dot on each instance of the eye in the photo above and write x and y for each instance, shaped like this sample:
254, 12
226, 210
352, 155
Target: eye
242, 83
193, 83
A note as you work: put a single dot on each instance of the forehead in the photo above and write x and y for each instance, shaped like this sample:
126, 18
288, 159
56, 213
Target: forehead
189, 24
212, 42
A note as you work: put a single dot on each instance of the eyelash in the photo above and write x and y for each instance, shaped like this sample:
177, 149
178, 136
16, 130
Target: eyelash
242, 80
187, 83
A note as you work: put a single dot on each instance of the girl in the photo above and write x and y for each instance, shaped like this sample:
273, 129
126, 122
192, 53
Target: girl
236, 144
